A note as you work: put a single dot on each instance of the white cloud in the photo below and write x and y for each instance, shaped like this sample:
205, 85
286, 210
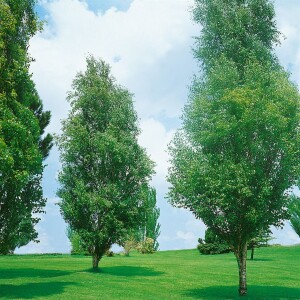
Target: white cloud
44, 246
193, 229
138, 43
285, 236
51, 232
187, 239
187, 236
196, 226
53, 200
155, 138
288, 24
182, 230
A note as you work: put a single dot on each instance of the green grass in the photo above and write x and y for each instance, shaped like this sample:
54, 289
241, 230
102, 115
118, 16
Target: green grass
274, 274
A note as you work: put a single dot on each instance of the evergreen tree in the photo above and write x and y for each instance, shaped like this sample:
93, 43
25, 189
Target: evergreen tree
237, 155
21, 111
212, 244
104, 170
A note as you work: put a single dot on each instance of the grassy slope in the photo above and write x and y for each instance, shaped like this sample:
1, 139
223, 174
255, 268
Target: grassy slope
274, 274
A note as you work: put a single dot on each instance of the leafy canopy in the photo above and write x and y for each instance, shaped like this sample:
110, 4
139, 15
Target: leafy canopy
237, 154
22, 124
148, 227
236, 158
104, 170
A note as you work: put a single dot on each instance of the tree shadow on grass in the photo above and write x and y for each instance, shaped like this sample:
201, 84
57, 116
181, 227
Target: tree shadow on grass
255, 292
37, 273
32, 290
128, 271
259, 259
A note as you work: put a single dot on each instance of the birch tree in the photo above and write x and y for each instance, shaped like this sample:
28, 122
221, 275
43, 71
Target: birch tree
236, 157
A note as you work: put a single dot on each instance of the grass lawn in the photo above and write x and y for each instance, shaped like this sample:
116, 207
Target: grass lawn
273, 274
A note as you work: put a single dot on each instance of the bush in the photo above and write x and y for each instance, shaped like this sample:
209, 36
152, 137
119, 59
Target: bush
128, 245
146, 246
109, 253
212, 244
213, 248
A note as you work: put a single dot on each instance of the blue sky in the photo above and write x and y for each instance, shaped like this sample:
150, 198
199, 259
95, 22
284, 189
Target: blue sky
103, 5
148, 44
94, 5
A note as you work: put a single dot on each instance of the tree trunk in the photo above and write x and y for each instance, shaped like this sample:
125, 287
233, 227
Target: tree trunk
241, 256
96, 259
252, 253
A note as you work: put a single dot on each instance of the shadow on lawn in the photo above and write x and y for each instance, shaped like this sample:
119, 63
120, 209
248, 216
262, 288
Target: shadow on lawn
41, 273
128, 271
255, 292
259, 259
32, 290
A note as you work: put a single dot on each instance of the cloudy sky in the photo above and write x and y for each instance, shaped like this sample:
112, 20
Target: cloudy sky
148, 45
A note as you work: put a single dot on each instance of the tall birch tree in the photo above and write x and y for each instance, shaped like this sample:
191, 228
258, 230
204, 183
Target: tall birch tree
236, 157
104, 170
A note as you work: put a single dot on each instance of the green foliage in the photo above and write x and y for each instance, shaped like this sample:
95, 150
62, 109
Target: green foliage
152, 227
146, 246
22, 124
129, 244
262, 240
77, 247
238, 30
21, 171
211, 237
295, 214
104, 170
237, 156
228, 165
109, 253
19, 23
148, 227
212, 244
213, 248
